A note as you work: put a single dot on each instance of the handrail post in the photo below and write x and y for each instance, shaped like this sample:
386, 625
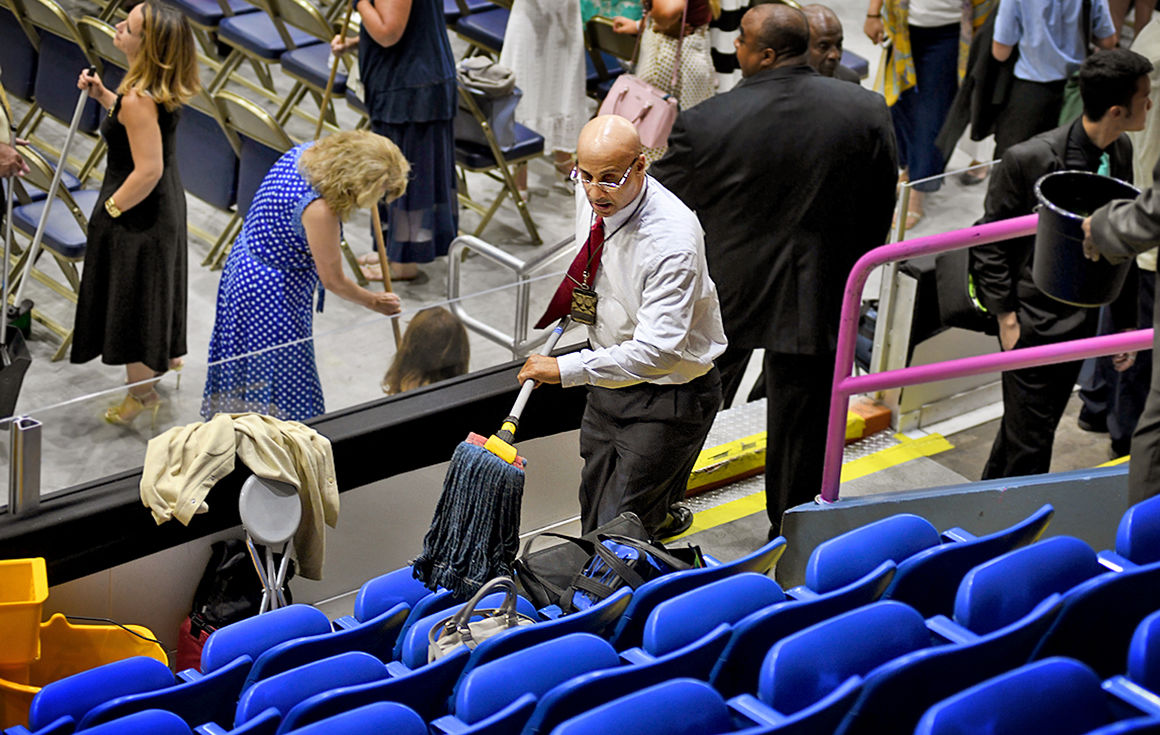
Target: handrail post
24, 467
848, 323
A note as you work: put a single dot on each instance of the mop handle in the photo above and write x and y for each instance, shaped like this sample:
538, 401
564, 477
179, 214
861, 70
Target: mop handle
529, 384
8, 187
34, 249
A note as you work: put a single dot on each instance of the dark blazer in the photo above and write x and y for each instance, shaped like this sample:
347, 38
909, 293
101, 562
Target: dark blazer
792, 175
1002, 270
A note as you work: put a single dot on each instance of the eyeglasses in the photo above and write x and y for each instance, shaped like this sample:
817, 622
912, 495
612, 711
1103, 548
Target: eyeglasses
578, 178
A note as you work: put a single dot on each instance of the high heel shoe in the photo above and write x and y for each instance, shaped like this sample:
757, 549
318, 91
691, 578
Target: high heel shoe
131, 407
175, 366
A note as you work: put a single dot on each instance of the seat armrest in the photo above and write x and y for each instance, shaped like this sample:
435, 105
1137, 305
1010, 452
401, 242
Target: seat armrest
957, 534
1115, 562
1126, 690
189, 675
746, 708
551, 612
637, 656
801, 592
948, 629
711, 561
346, 622
447, 724
395, 669
210, 728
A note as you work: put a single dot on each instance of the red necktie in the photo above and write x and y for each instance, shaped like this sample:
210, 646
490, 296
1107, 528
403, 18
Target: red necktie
561, 303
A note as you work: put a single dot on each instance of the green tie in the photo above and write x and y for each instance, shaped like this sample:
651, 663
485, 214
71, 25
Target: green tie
1105, 168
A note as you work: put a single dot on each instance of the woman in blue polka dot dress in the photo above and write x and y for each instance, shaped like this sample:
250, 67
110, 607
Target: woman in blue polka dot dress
261, 354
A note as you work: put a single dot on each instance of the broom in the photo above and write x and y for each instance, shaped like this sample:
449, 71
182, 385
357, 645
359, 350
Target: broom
474, 535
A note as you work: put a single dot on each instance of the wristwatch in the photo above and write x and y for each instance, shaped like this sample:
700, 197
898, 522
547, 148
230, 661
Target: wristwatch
111, 208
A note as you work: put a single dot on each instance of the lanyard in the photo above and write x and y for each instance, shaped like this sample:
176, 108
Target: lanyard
591, 255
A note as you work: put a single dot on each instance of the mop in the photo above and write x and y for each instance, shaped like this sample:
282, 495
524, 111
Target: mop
474, 535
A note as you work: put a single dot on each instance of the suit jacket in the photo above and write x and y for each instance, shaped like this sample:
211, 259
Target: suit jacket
792, 175
1002, 271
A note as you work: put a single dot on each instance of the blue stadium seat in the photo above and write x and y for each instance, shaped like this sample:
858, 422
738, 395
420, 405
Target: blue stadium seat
415, 641
502, 693
998, 592
677, 707
1098, 618
929, 579
738, 667
1135, 726
432, 603
380, 717
894, 696
375, 637
1140, 687
1138, 535
839, 561
383, 592
255, 635
284, 691
148, 722
425, 690
73, 696
1057, 695
631, 626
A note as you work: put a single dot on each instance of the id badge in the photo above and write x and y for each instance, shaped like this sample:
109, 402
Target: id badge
584, 305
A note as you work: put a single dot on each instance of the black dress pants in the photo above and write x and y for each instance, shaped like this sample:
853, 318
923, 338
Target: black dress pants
797, 389
639, 445
1032, 108
1144, 469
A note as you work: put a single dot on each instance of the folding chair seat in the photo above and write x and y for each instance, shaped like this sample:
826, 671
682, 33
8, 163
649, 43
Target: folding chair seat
929, 579
375, 637
607, 52
738, 667
308, 65
380, 717
600, 76
205, 16
1058, 695
284, 690
452, 13
207, 153
855, 63
425, 690
677, 707
895, 696
502, 693
630, 629
497, 163
483, 30
262, 39
1098, 617
65, 239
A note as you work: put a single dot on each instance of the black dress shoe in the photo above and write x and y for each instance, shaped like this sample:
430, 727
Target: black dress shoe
1092, 423
679, 520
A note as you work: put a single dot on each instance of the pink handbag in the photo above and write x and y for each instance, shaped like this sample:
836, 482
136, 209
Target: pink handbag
651, 110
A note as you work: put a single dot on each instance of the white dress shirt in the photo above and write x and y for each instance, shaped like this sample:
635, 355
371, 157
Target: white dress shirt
657, 318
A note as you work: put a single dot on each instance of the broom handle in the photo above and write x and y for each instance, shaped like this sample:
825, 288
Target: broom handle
377, 226
7, 257
34, 249
326, 95
526, 388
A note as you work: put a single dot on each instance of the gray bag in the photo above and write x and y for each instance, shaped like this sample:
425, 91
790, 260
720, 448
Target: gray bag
493, 87
460, 630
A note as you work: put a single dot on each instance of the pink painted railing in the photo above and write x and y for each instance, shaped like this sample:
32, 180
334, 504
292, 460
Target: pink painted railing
846, 385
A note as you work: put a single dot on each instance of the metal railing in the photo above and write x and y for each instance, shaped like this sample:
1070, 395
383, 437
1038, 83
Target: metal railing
517, 341
846, 385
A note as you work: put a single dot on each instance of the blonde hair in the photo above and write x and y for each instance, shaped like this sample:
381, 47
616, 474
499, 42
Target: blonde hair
350, 169
434, 348
165, 69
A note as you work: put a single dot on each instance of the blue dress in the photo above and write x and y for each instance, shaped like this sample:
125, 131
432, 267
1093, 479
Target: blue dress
261, 354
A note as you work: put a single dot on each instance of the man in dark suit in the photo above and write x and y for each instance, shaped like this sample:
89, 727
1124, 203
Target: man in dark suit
792, 175
826, 43
1114, 85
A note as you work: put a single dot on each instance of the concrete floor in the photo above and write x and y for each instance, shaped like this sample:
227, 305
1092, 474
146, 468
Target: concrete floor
353, 345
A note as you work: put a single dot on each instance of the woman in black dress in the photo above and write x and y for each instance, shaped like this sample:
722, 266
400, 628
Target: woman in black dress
131, 308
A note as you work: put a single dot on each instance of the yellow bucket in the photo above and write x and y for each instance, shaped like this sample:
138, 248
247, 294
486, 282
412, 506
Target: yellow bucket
68, 649
23, 590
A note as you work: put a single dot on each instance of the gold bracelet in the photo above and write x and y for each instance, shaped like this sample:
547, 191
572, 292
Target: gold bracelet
111, 208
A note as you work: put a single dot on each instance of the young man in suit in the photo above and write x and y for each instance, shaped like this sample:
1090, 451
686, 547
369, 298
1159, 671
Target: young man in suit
1114, 85
792, 176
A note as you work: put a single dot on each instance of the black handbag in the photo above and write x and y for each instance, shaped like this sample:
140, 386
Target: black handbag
546, 574
958, 304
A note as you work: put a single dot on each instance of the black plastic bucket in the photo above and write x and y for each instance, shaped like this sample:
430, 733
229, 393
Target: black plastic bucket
1059, 268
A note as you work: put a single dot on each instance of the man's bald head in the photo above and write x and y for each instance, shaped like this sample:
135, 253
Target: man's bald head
771, 35
825, 38
608, 134
609, 152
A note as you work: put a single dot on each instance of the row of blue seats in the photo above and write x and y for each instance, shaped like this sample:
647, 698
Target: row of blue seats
724, 624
